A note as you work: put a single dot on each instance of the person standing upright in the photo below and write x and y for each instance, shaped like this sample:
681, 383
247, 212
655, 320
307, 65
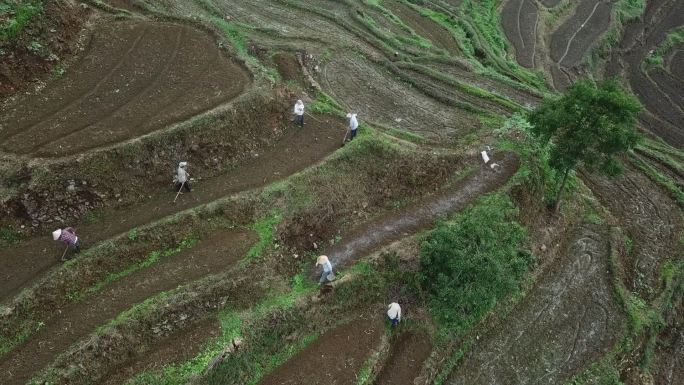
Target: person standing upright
299, 112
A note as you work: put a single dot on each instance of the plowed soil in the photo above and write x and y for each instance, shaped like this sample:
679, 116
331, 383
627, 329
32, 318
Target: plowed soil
177, 347
571, 40
405, 360
677, 64
520, 19
646, 212
335, 358
550, 3
395, 226
380, 97
212, 255
134, 78
424, 26
297, 149
660, 96
567, 321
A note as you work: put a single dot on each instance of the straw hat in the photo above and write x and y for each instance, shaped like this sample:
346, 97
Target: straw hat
349, 114
322, 260
182, 164
56, 234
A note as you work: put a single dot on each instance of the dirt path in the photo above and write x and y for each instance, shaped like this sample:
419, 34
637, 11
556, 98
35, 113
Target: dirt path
395, 226
520, 19
406, 358
213, 255
134, 77
296, 150
646, 213
565, 323
335, 358
180, 346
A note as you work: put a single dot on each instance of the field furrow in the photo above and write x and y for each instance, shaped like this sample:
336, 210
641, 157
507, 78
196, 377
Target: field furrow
565, 323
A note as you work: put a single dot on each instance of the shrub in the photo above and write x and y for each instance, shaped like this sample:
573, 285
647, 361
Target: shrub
467, 266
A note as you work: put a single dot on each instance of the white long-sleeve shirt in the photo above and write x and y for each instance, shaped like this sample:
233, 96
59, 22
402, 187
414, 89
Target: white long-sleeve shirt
299, 109
394, 311
182, 175
353, 123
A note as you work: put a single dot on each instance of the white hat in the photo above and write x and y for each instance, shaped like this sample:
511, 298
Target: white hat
321, 260
349, 114
182, 164
300, 101
56, 234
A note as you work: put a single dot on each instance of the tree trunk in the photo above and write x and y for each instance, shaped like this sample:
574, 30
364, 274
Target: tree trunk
560, 190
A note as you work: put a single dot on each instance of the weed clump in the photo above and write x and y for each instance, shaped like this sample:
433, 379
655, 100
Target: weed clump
468, 265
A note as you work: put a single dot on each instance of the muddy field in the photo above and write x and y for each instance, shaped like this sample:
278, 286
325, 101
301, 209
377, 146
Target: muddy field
565, 323
213, 82
163, 73
334, 358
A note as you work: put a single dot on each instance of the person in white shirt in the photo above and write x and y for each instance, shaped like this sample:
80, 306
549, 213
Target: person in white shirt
353, 125
182, 177
394, 313
299, 112
327, 275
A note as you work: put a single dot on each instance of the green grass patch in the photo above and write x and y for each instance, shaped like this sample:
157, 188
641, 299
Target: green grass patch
16, 15
325, 104
659, 178
674, 37
264, 351
468, 265
265, 229
151, 259
10, 236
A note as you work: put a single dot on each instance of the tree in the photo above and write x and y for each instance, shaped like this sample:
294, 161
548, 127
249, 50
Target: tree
590, 125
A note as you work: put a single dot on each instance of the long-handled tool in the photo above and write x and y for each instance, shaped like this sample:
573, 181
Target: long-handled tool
344, 140
64, 253
179, 191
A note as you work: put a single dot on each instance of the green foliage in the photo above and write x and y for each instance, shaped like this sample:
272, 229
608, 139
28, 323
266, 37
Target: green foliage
674, 37
325, 104
151, 259
590, 125
9, 236
603, 372
627, 10
17, 14
467, 266
265, 228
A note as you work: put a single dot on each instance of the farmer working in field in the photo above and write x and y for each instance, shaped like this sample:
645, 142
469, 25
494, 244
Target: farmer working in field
182, 177
68, 236
394, 313
353, 125
299, 112
327, 275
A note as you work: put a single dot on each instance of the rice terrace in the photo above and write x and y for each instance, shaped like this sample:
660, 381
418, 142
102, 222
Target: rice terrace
342, 192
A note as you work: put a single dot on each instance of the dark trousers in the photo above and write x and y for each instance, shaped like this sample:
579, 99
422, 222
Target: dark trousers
186, 186
299, 119
353, 134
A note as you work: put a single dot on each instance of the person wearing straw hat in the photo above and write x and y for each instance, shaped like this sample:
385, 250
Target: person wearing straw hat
327, 275
69, 237
182, 177
394, 313
299, 113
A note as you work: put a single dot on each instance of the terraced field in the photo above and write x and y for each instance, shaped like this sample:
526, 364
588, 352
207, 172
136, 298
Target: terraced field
218, 285
164, 73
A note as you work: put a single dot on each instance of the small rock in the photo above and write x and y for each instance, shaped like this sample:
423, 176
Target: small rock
542, 248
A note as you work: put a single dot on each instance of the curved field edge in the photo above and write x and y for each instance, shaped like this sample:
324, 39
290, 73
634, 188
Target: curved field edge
139, 247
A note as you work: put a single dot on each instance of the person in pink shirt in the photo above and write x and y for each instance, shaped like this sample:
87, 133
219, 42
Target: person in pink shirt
69, 237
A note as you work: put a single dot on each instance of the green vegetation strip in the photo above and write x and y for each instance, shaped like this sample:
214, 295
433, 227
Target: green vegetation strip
151, 259
265, 350
674, 37
15, 15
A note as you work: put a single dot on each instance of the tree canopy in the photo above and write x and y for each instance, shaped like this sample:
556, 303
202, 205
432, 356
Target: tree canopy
589, 125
